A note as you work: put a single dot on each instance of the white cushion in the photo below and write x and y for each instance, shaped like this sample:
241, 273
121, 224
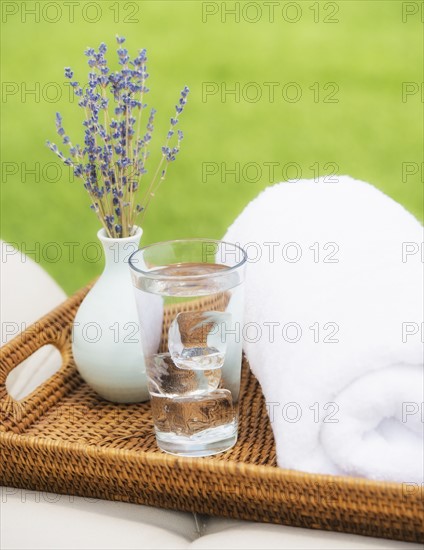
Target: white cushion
32, 520
27, 293
245, 535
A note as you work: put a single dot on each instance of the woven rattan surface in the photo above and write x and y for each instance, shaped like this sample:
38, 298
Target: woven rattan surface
64, 438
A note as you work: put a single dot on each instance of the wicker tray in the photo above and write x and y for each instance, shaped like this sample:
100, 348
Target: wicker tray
65, 439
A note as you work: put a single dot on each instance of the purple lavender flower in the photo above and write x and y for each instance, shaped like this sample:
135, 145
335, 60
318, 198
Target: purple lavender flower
112, 160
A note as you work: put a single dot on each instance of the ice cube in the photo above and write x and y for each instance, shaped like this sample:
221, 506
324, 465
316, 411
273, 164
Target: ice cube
166, 379
190, 415
195, 339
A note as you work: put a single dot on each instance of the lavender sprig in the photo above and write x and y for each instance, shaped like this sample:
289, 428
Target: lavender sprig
112, 161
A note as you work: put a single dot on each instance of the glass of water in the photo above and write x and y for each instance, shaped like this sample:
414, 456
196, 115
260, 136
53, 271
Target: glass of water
190, 302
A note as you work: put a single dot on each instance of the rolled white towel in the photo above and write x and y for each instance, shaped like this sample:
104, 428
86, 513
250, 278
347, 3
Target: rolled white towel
333, 326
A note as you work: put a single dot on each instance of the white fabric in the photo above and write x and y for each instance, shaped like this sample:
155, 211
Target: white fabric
341, 384
27, 293
36, 520
245, 535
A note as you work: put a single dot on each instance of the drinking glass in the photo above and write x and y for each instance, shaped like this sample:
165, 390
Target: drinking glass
189, 296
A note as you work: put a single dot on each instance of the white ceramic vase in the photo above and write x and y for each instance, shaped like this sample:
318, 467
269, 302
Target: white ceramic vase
106, 335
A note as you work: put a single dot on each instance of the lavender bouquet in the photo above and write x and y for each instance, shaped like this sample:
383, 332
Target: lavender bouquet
112, 162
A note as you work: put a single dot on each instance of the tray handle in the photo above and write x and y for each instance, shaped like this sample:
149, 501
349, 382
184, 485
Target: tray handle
54, 328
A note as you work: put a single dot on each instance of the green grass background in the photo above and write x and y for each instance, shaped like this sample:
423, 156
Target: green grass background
369, 133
